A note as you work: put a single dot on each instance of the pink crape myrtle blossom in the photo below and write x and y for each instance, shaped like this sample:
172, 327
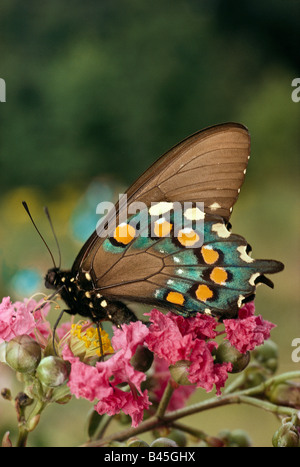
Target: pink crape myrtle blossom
175, 338
170, 337
101, 381
21, 318
248, 331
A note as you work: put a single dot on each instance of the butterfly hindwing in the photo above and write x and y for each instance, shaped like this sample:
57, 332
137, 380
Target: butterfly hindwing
204, 269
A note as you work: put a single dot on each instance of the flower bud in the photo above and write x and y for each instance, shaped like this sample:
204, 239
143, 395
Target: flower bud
115, 444
229, 354
179, 437
6, 394
142, 359
286, 436
287, 393
180, 372
163, 443
23, 354
64, 400
267, 355
235, 438
136, 443
52, 371
239, 438
6, 442
33, 422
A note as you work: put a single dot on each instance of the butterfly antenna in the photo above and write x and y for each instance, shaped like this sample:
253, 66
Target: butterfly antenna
54, 234
30, 216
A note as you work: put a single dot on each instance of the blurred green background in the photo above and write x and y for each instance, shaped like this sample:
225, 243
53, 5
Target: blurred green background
96, 91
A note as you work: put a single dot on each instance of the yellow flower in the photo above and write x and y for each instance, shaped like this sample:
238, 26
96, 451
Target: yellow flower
84, 342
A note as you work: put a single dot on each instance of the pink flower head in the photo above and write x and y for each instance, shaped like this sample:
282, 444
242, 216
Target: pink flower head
19, 318
102, 381
248, 331
175, 338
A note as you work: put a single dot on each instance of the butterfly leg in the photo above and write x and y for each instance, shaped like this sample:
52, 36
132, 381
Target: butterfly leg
55, 327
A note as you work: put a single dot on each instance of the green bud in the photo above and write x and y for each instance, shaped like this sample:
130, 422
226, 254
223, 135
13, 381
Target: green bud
267, 355
255, 376
52, 371
236, 438
136, 443
23, 354
229, 354
179, 437
142, 359
33, 422
164, 443
286, 436
180, 372
202, 444
6, 442
287, 393
239, 438
64, 400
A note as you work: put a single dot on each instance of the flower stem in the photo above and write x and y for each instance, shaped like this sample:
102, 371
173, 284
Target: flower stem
163, 405
246, 397
26, 426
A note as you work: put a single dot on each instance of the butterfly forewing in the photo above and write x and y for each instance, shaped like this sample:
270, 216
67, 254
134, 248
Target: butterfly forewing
207, 167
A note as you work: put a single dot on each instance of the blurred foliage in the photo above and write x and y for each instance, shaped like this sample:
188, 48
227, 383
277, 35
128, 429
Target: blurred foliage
107, 86
97, 90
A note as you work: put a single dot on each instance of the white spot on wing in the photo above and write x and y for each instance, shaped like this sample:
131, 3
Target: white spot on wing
240, 300
253, 277
214, 206
243, 254
160, 208
194, 214
221, 230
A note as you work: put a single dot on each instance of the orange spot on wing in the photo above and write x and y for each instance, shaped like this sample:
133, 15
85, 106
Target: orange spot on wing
188, 237
219, 275
162, 229
210, 256
203, 293
175, 297
124, 233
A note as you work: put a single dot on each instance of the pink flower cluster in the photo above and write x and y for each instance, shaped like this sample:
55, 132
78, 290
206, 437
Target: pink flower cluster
170, 337
101, 381
176, 338
21, 318
248, 331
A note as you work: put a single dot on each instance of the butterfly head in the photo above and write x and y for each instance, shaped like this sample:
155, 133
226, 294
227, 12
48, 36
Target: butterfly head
52, 278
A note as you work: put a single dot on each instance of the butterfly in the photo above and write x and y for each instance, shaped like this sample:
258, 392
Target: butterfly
204, 269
